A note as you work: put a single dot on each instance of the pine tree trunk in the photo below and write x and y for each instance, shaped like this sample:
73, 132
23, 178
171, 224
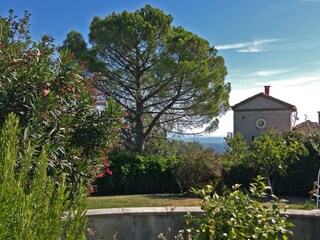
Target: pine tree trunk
139, 136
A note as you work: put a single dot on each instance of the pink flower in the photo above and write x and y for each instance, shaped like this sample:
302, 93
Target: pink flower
108, 171
100, 174
45, 92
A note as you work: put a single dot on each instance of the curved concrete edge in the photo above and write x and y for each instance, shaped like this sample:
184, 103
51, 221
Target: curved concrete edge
303, 213
179, 210
143, 211
148, 222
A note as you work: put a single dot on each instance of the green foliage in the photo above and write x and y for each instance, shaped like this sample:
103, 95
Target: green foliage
165, 77
195, 166
271, 153
295, 178
300, 174
177, 166
309, 205
238, 215
53, 98
33, 206
134, 174
236, 151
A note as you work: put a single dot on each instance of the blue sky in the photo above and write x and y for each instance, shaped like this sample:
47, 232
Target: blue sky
270, 42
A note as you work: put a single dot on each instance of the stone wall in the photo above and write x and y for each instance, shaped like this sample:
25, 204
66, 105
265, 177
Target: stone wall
147, 223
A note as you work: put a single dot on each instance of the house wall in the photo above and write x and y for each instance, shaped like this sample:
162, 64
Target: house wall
261, 103
245, 122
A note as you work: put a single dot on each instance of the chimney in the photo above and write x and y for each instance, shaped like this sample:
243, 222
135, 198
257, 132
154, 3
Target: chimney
267, 90
318, 117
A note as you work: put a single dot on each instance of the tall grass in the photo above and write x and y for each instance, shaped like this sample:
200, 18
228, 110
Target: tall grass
32, 206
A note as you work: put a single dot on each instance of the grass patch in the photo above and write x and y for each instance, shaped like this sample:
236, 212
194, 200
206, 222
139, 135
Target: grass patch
176, 200
300, 203
294, 203
143, 200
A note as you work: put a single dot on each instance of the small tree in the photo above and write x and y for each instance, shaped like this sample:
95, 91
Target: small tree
271, 152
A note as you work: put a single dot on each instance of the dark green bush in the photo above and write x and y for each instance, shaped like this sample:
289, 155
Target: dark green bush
301, 174
135, 174
180, 166
240, 173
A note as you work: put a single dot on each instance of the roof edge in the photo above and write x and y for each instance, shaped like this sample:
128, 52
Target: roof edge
290, 106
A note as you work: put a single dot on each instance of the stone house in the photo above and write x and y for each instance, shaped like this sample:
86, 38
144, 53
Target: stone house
261, 113
307, 127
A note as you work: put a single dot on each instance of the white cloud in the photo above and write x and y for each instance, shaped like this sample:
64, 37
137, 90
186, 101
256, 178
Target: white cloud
232, 46
267, 73
253, 46
251, 50
295, 81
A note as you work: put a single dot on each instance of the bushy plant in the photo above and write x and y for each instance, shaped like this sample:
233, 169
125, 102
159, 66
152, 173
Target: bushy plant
234, 162
196, 165
54, 100
236, 151
33, 205
300, 174
237, 215
134, 174
269, 154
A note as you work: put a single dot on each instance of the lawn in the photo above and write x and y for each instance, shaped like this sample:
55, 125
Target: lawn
143, 200
166, 200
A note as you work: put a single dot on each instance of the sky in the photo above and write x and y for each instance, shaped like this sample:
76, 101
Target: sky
272, 42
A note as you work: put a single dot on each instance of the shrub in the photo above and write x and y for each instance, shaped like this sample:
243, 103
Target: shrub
301, 174
195, 166
237, 215
32, 205
234, 160
135, 174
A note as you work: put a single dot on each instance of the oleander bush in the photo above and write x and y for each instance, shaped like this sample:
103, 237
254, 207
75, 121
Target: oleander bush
55, 101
